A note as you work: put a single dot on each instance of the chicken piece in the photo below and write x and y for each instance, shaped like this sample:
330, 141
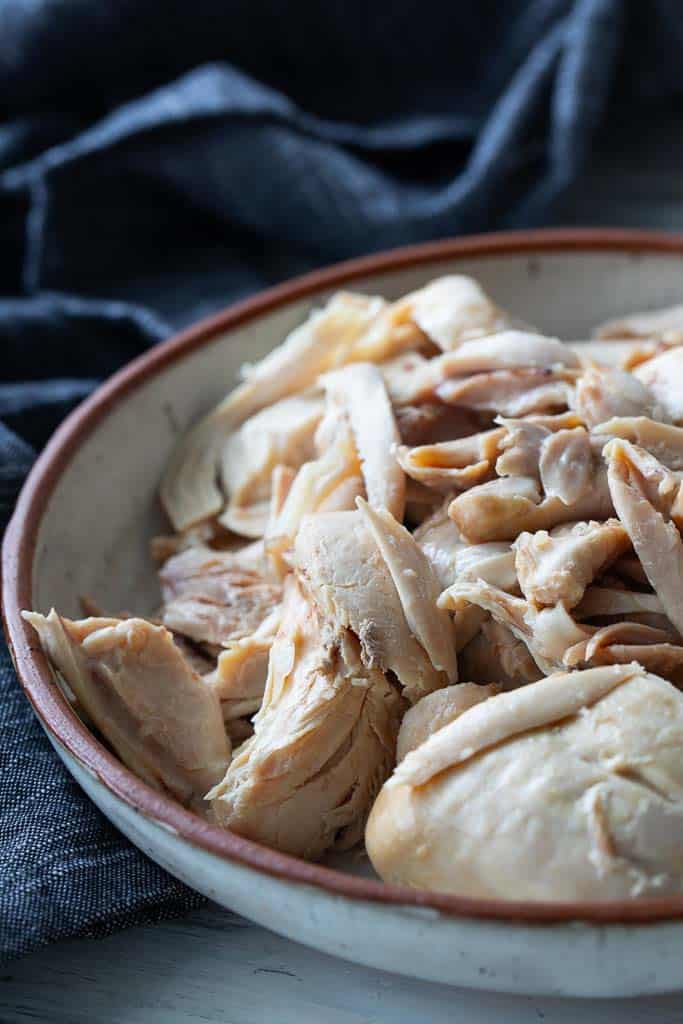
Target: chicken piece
663, 377
493, 562
280, 434
204, 535
136, 687
566, 465
520, 448
436, 710
660, 324
360, 391
510, 392
558, 566
439, 538
600, 601
660, 439
547, 633
568, 789
239, 678
345, 574
326, 483
502, 509
653, 649
417, 586
496, 655
324, 741
620, 355
217, 596
664, 659
452, 309
506, 350
500, 366
455, 464
281, 482
641, 490
189, 490
602, 393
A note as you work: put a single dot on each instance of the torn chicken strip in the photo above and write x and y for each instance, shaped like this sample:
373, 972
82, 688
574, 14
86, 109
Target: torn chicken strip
324, 742
493, 562
337, 473
619, 355
641, 494
617, 634
558, 566
455, 464
436, 710
602, 393
440, 539
360, 391
343, 571
601, 601
508, 362
502, 509
239, 677
280, 434
662, 440
567, 466
664, 659
417, 586
510, 392
452, 309
350, 328
135, 685
663, 377
547, 633
660, 324
496, 655
217, 596
507, 350
522, 797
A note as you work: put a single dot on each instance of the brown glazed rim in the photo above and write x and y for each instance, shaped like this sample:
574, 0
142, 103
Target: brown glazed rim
60, 720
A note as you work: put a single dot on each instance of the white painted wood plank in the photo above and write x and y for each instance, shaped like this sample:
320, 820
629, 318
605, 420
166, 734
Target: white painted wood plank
216, 967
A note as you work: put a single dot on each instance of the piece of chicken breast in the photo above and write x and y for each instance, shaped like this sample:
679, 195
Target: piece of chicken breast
570, 788
436, 710
344, 571
558, 566
324, 741
163, 721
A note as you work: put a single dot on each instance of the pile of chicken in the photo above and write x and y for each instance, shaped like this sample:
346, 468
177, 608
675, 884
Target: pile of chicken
404, 494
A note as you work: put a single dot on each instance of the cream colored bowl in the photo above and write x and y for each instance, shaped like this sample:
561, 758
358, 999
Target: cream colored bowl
82, 526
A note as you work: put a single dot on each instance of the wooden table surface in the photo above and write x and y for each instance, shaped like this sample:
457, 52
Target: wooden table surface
214, 966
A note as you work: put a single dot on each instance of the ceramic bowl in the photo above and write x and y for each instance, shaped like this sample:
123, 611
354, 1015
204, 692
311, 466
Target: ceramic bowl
82, 526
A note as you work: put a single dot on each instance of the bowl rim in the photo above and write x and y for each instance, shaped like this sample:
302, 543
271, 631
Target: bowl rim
59, 719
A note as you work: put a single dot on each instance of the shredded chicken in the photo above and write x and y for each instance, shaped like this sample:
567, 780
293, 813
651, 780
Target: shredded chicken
324, 741
433, 492
217, 596
558, 566
135, 685
663, 377
436, 710
641, 490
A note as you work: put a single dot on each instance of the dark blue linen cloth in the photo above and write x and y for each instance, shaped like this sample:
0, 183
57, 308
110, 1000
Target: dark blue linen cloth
160, 159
